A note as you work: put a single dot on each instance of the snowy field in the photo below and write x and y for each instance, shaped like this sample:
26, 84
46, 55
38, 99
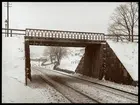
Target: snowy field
13, 75
71, 61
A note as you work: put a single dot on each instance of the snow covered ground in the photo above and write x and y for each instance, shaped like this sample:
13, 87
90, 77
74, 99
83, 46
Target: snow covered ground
13, 64
127, 52
71, 61
13, 75
128, 88
92, 90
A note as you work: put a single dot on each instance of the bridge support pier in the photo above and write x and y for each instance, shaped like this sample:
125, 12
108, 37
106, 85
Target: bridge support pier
92, 61
27, 62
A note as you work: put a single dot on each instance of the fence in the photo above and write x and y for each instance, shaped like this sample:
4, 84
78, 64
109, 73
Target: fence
122, 37
11, 32
59, 34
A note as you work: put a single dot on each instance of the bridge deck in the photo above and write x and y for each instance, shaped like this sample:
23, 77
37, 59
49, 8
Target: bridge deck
42, 41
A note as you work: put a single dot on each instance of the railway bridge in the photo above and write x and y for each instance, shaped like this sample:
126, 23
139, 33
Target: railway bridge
98, 61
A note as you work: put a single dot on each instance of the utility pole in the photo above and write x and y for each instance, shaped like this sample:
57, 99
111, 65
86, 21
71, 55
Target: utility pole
7, 17
5, 27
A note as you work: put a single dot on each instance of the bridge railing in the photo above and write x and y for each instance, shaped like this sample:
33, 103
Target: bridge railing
64, 34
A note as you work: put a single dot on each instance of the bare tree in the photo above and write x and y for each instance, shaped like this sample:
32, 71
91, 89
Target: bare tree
124, 20
57, 52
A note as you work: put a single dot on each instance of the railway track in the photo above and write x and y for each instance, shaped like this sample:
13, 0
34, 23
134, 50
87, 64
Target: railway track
70, 93
97, 83
114, 90
132, 98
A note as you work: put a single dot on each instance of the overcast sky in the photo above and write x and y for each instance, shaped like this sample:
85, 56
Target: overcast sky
82, 16
92, 17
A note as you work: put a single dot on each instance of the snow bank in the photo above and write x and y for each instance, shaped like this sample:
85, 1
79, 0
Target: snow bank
127, 52
14, 91
128, 88
13, 63
13, 70
13, 77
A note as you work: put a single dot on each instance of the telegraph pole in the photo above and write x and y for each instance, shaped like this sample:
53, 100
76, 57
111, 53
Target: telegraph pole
5, 27
7, 17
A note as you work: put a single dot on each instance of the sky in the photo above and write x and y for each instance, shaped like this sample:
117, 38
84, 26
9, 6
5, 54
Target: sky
67, 16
